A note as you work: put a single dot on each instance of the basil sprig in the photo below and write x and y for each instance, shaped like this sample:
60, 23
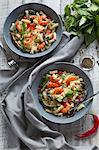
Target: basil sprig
82, 17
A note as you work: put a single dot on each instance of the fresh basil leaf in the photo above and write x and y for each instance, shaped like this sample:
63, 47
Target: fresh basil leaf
23, 27
89, 38
96, 2
80, 1
82, 28
70, 22
88, 3
90, 28
70, 92
93, 7
84, 12
44, 80
67, 10
82, 21
63, 76
97, 20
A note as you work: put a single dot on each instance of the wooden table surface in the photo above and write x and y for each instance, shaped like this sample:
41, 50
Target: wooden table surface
6, 6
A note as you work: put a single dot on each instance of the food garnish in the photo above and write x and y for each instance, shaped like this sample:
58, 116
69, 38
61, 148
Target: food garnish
82, 17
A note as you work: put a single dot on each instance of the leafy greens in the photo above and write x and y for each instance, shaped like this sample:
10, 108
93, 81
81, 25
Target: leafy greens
82, 17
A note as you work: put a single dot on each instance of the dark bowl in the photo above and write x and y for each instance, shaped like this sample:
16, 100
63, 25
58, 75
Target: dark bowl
15, 14
69, 68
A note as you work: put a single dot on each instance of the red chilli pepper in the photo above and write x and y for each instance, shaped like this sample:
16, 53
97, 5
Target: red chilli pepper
92, 130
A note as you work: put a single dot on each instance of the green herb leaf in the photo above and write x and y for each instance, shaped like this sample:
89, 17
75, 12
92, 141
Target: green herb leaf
70, 92
70, 22
90, 28
63, 76
82, 17
96, 1
44, 80
89, 38
84, 12
67, 10
82, 21
97, 20
23, 28
93, 7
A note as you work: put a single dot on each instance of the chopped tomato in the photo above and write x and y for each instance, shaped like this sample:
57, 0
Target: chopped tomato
52, 85
48, 31
31, 26
41, 46
28, 25
32, 16
53, 80
42, 21
54, 37
58, 90
64, 104
18, 26
69, 79
66, 109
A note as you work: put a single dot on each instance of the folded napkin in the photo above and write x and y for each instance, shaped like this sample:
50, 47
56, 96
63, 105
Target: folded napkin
33, 132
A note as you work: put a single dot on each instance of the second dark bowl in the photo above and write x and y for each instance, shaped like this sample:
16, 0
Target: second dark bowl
69, 68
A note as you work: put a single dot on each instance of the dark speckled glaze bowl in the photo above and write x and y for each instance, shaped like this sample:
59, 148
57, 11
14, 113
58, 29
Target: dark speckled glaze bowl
13, 17
69, 68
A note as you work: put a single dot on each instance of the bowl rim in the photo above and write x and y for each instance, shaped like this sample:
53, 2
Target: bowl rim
64, 120
27, 55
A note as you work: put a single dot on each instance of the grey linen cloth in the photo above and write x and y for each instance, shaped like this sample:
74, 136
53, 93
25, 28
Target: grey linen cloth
25, 123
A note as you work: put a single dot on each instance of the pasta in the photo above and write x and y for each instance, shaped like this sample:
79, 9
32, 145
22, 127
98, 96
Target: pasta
33, 32
60, 91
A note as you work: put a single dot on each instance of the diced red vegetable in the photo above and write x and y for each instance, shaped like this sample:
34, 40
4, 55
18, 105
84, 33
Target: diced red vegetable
18, 26
53, 80
41, 46
32, 16
42, 21
71, 78
58, 90
31, 26
66, 109
52, 85
48, 31
64, 104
